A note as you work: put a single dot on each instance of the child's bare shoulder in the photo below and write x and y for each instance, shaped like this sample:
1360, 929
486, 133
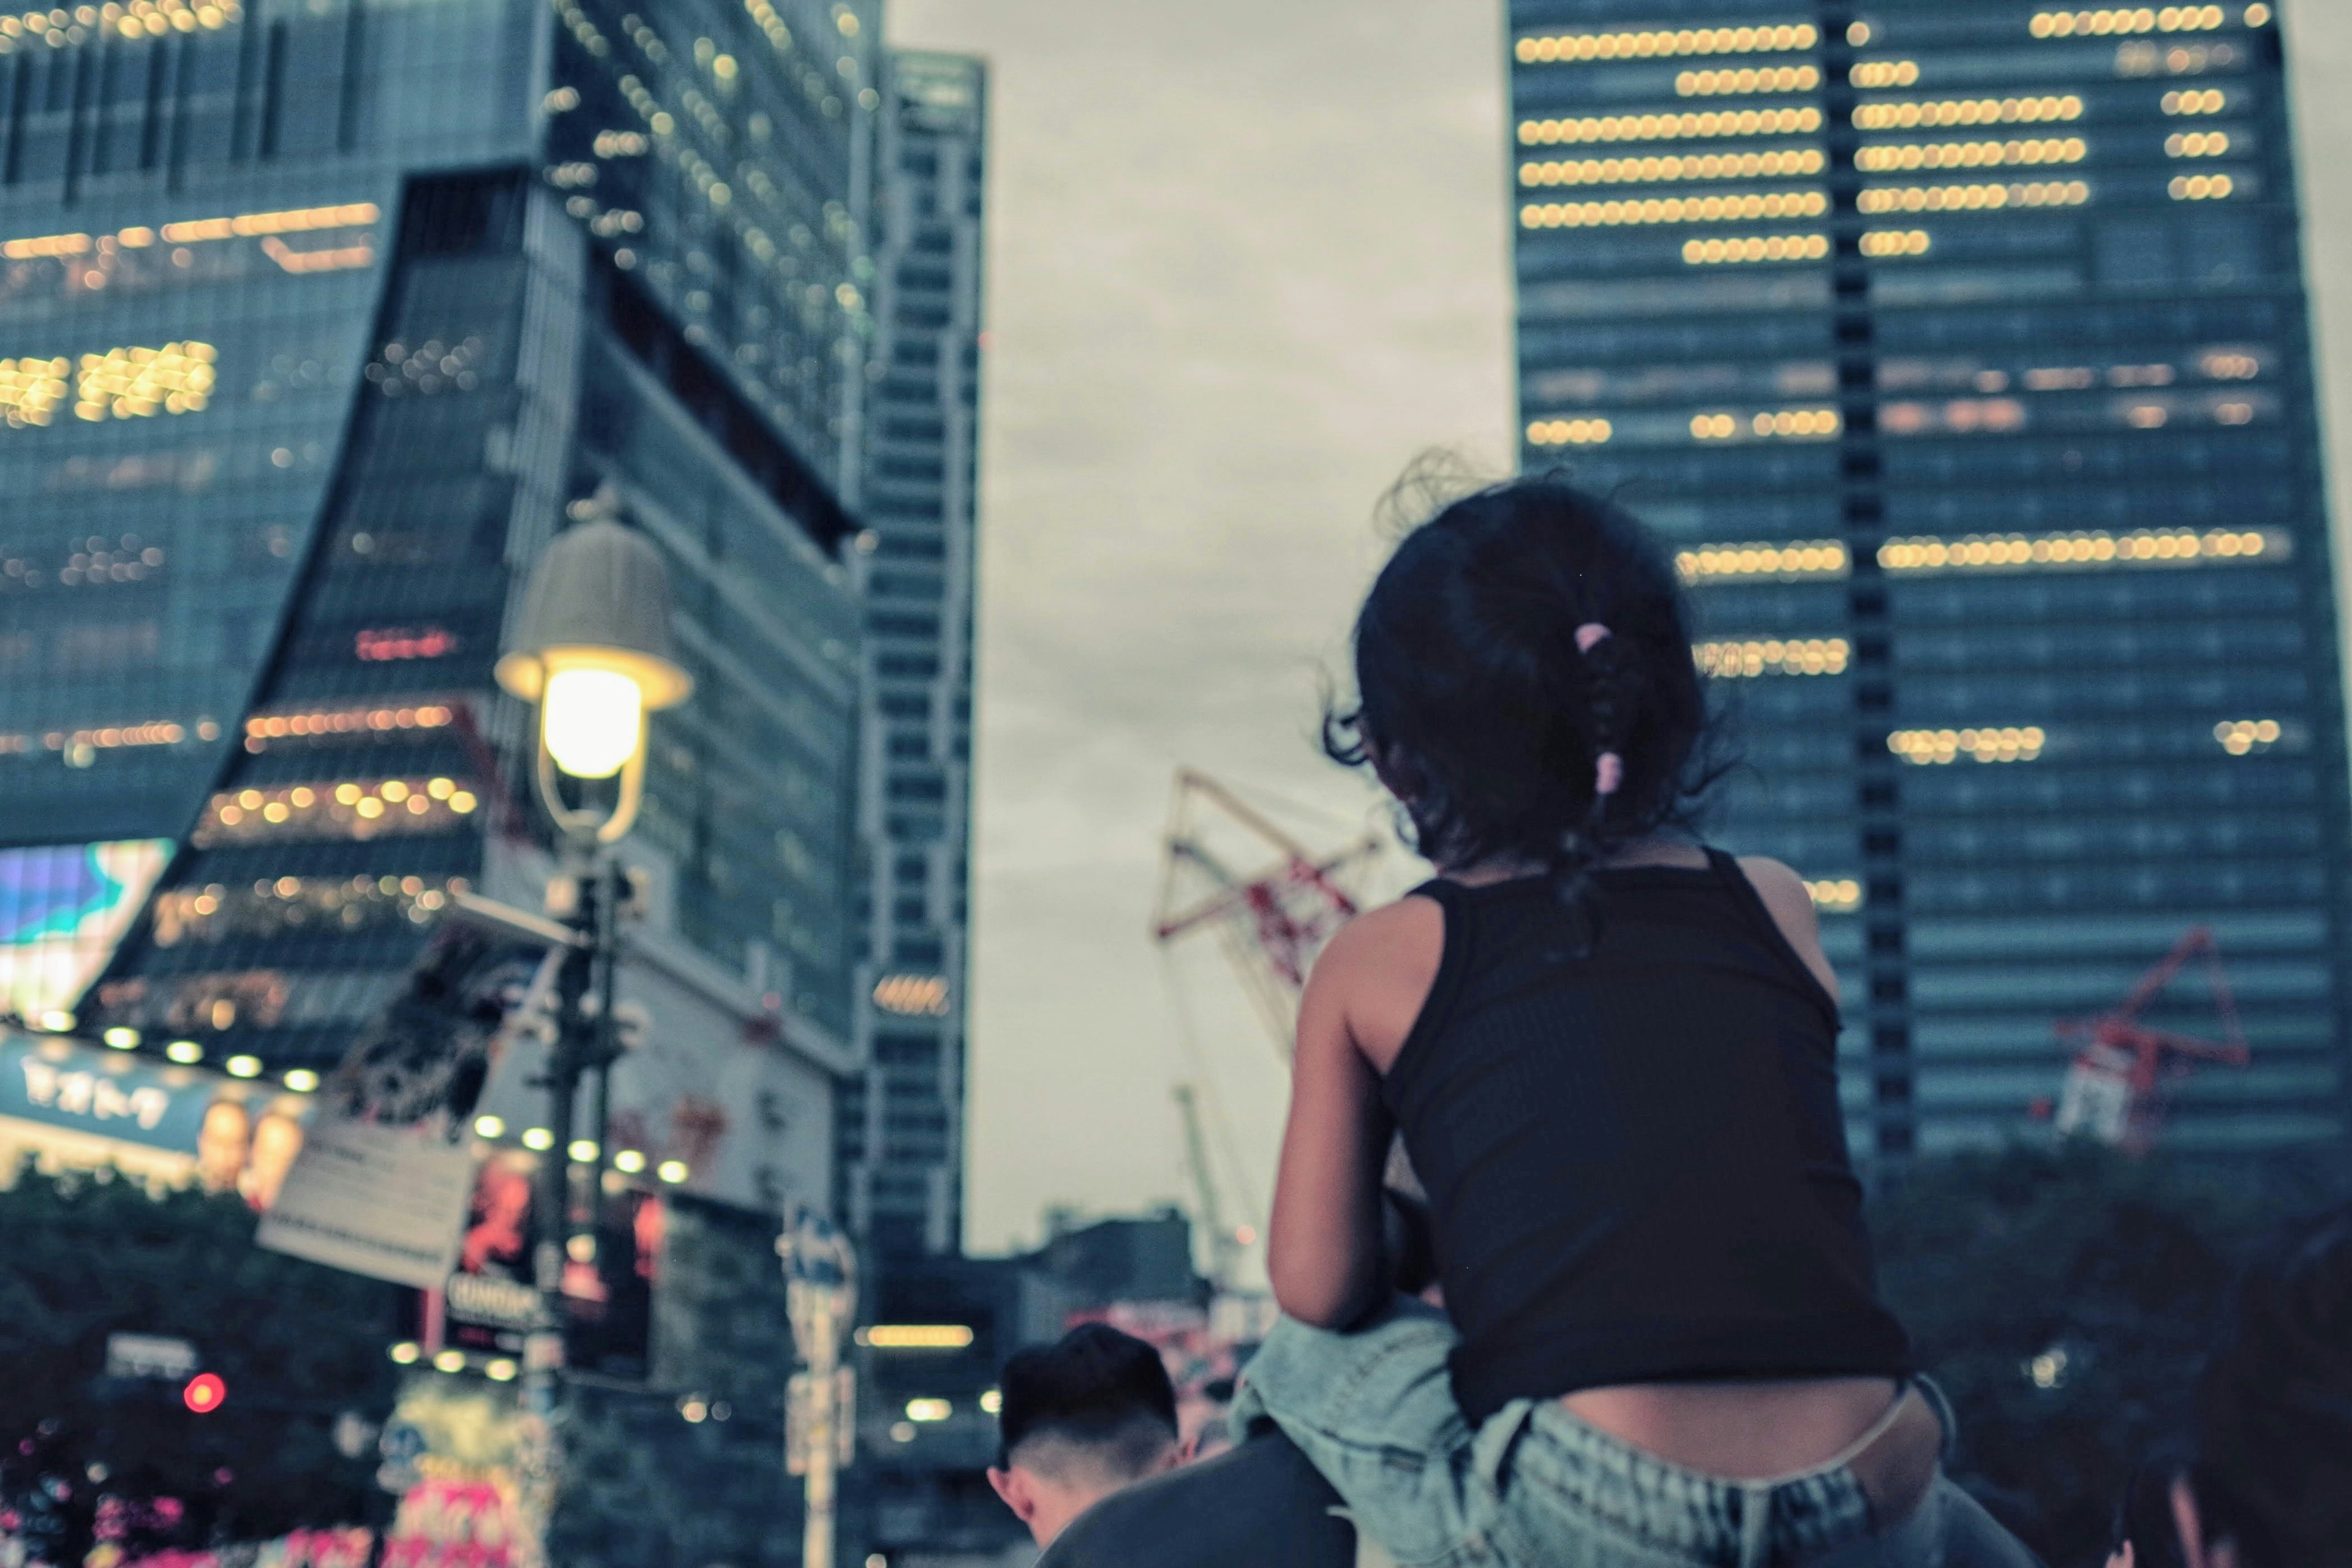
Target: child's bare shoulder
1376, 972
1775, 882
1377, 938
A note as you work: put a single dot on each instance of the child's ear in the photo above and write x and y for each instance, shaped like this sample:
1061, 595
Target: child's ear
1013, 1486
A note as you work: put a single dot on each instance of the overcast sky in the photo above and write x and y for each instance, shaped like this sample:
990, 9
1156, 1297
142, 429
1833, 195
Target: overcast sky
1246, 260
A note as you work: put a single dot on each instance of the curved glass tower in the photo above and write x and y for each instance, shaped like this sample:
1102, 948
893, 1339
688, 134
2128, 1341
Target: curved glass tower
316, 321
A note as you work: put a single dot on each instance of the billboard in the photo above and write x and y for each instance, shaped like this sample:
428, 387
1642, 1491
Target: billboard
61, 1099
63, 908
488, 1303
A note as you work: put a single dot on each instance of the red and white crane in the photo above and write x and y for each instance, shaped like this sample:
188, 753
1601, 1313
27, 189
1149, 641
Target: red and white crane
2114, 1090
1272, 903
1272, 920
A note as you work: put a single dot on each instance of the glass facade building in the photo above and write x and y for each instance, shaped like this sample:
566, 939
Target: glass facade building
316, 321
900, 1127
1961, 353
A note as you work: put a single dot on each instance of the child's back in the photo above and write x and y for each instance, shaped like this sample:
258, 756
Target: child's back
1612, 1058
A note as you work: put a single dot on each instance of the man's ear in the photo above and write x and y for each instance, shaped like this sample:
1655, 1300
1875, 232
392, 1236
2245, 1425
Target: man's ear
1016, 1488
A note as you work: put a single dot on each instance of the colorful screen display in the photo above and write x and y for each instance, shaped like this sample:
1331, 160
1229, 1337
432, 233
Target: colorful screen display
63, 908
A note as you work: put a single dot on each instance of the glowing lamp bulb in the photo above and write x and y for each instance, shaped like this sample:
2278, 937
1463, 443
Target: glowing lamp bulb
203, 1393
593, 721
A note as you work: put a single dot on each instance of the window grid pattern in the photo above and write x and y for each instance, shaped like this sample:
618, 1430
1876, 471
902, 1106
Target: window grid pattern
2022, 422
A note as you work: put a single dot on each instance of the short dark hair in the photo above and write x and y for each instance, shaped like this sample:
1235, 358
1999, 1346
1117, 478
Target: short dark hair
2274, 1404
1095, 1388
1522, 646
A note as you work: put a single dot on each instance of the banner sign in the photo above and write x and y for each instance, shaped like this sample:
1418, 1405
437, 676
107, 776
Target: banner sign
113, 1095
385, 1202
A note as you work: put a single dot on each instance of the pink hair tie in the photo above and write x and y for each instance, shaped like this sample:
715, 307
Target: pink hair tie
1608, 772
1589, 635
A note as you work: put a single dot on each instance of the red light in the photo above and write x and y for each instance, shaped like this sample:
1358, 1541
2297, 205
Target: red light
204, 1392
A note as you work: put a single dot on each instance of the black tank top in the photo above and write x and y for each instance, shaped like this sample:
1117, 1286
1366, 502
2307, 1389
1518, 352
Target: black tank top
1636, 1167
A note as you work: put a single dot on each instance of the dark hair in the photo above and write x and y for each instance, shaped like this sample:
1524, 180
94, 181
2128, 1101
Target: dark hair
1096, 1388
2275, 1404
1484, 715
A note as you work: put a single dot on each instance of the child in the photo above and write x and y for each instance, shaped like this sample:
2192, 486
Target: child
1609, 1053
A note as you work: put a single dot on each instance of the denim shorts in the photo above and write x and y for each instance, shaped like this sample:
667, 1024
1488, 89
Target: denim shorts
1535, 1487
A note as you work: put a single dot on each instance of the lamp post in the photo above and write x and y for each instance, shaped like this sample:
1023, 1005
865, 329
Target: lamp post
592, 649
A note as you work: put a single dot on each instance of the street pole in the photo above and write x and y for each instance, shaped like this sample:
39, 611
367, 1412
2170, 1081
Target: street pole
816, 1541
596, 611
820, 1298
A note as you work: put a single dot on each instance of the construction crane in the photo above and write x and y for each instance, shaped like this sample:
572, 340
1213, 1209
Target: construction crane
1270, 922
2115, 1089
1273, 920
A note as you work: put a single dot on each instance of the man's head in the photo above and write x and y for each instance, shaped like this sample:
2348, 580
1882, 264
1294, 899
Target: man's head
2270, 1485
1081, 1418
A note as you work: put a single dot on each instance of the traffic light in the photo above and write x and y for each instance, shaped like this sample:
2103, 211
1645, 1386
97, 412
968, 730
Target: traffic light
204, 1392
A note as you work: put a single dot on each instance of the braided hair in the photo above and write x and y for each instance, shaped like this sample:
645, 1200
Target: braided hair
1525, 688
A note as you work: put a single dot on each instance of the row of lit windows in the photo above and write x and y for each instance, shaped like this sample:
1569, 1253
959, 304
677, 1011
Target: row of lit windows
1569, 432
2200, 187
1670, 127
1788, 163
2135, 59
1959, 415
2241, 737
2196, 100
328, 722
138, 19
1756, 247
1827, 558
291, 220
1836, 895
2197, 145
123, 383
93, 564
1971, 154
1740, 83
1660, 44
1880, 244
1972, 198
2081, 549
1812, 423
79, 747
1969, 112
1741, 659
1937, 747
1885, 74
1675, 209
2139, 19
1809, 558
351, 809
287, 903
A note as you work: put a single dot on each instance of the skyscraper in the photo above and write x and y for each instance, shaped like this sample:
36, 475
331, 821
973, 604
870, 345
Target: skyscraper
315, 323
1961, 353
901, 1127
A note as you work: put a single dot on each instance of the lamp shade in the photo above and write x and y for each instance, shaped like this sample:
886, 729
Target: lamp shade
598, 600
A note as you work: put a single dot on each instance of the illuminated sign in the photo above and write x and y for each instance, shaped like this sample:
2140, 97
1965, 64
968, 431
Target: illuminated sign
912, 995
60, 1084
63, 908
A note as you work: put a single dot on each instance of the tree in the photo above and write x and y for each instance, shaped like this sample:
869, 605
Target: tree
2064, 1298
85, 1457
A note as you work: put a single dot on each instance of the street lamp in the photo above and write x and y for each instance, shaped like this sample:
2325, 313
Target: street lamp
592, 649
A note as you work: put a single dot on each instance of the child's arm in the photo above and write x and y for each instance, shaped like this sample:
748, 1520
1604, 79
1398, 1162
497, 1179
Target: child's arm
1323, 1251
